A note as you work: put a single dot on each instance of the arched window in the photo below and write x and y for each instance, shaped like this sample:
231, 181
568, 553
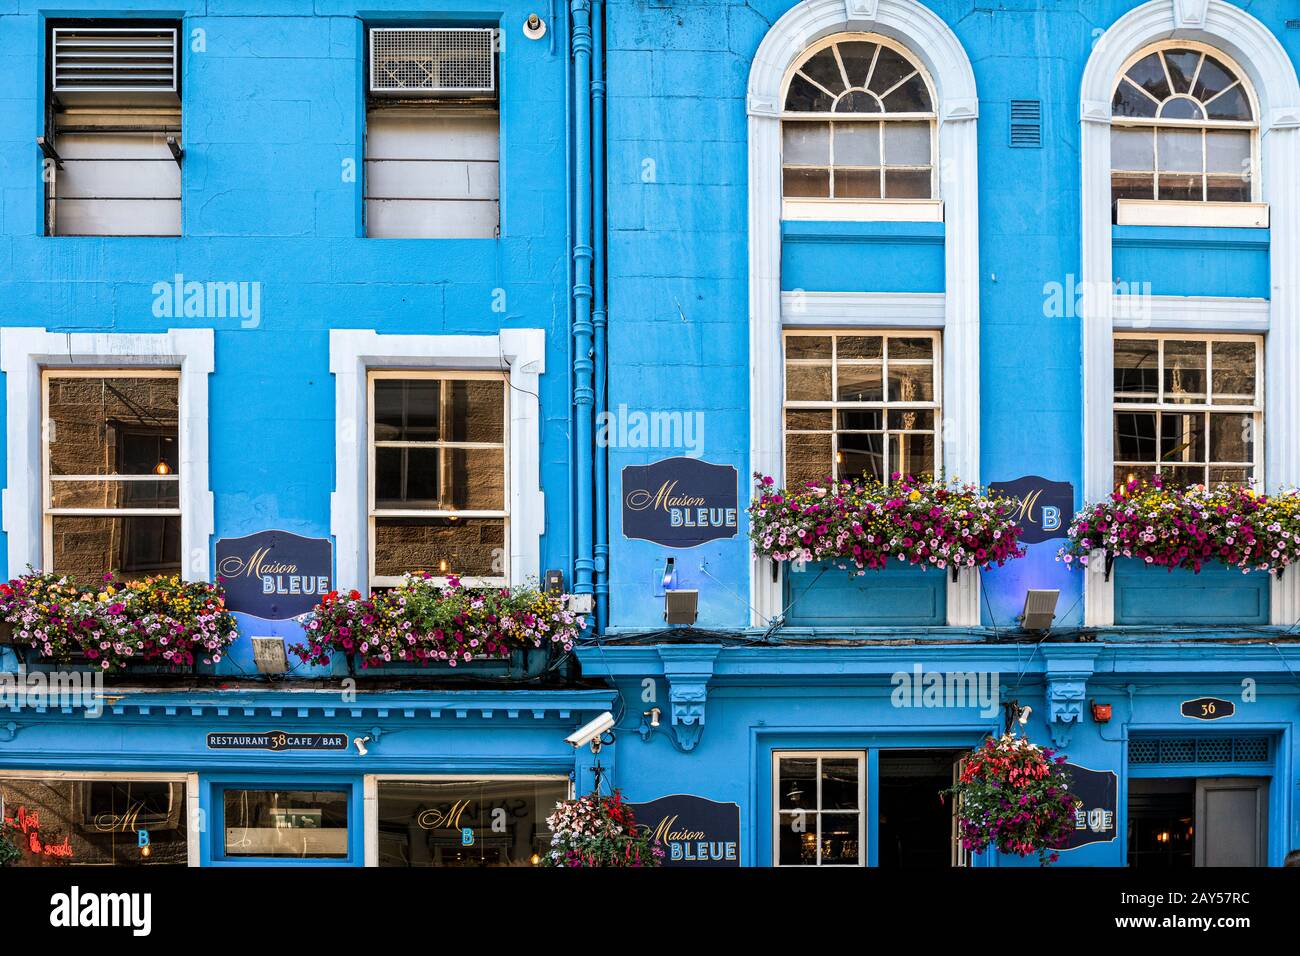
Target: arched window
1184, 129
857, 125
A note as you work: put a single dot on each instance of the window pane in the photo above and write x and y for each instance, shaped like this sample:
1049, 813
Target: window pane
1149, 74
1136, 369
1232, 105
475, 411
856, 57
423, 823
1227, 151
797, 839
1231, 475
912, 419
807, 383
112, 426
797, 783
861, 454
1234, 372
907, 184
94, 822
406, 477
806, 183
859, 383
911, 453
891, 67
89, 546
824, 69
448, 479
808, 347
1184, 371
799, 420
1132, 148
1126, 473
470, 547
861, 419
806, 144
1182, 65
911, 383
807, 458
840, 834
857, 144
1135, 436
1180, 108
805, 97
1212, 79
115, 494
859, 346
1132, 186
857, 184
839, 784
909, 348
1132, 102
309, 824
1180, 150
1227, 188
1181, 187
907, 144
911, 97
407, 410
1183, 475
1182, 437
1232, 437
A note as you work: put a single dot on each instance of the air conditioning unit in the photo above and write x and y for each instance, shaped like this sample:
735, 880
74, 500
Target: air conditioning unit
114, 60
433, 61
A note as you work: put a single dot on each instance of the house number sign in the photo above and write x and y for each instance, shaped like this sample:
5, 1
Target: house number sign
1208, 708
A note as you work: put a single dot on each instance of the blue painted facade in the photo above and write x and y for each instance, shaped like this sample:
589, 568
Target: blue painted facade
627, 242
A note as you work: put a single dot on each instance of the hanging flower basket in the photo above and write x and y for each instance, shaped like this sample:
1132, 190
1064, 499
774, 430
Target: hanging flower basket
863, 524
1173, 527
422, 622
599, 831
1015, 796
161, 620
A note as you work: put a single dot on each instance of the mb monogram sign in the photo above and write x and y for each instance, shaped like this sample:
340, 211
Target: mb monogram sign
274, 575
680, 502
1094, 818
694, 831
1046, 507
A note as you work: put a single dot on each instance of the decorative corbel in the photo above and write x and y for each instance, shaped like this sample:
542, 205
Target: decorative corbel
688, 669
1067, 669
1190, 13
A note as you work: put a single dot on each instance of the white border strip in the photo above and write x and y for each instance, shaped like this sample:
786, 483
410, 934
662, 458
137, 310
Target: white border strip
1189, 313
881, 310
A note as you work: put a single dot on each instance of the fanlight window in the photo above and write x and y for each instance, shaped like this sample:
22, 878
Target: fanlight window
1183, 129
858, 123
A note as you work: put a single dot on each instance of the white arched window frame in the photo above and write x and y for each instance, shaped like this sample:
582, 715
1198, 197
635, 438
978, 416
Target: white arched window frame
933, 44
860, 176
1256, 50
1227, 196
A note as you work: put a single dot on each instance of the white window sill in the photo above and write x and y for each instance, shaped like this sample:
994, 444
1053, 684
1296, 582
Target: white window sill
863, 210
1167, 212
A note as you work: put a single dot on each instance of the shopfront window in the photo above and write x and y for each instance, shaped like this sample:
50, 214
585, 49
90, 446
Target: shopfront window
820, 799
466, 822
95, 822
304, 824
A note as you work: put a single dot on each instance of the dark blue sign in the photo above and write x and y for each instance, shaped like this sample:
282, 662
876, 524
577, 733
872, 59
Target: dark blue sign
693, 831
275, 574
680, 502
277, 740
1046, 507
1207, 708
1094, 816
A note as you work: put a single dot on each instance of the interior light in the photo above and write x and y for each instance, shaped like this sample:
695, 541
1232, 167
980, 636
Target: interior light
162, 468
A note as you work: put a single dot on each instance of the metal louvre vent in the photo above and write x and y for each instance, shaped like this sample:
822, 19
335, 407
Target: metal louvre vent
114, 59
1191, 750
1026, 124
443, 61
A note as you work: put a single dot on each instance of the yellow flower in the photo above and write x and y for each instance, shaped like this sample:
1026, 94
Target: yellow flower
914, 496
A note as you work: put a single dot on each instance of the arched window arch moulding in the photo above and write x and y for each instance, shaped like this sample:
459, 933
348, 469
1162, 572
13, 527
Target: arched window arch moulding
931, 41
1256, 50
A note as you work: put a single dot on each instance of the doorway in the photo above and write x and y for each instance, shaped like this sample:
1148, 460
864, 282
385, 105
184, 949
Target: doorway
914, 827
1180, 823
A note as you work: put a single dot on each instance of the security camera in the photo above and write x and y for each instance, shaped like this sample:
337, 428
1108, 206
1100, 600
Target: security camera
360, 744
591, 733
1024, 715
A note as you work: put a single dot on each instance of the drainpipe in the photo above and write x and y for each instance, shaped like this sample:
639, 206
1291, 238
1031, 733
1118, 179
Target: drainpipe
583, 391
599, 313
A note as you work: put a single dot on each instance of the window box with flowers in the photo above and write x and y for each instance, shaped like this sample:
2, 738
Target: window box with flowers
893, 531
1231, 538
422, 623
152, 623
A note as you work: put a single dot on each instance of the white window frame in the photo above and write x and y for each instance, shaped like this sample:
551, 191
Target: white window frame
1183, 212
375, 513
848, 209
191, 780
863, 830
520, 353
834, 406
1159, 406
370, 796
25, 353
50, 512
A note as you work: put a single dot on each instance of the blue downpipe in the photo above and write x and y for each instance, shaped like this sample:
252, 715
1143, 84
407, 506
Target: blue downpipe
583, 370
600, 314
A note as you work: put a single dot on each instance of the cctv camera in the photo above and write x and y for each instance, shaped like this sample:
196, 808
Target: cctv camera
1024, 715
592, 732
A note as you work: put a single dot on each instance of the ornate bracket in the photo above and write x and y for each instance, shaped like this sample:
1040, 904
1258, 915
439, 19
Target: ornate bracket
1068, 667
688, 670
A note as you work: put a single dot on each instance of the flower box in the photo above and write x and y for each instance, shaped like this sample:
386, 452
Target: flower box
822, 595
1216, 595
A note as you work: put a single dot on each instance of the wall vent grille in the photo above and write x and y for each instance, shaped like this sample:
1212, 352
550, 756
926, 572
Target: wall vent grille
114, 59
433, 61
1192, 750
1026, 124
